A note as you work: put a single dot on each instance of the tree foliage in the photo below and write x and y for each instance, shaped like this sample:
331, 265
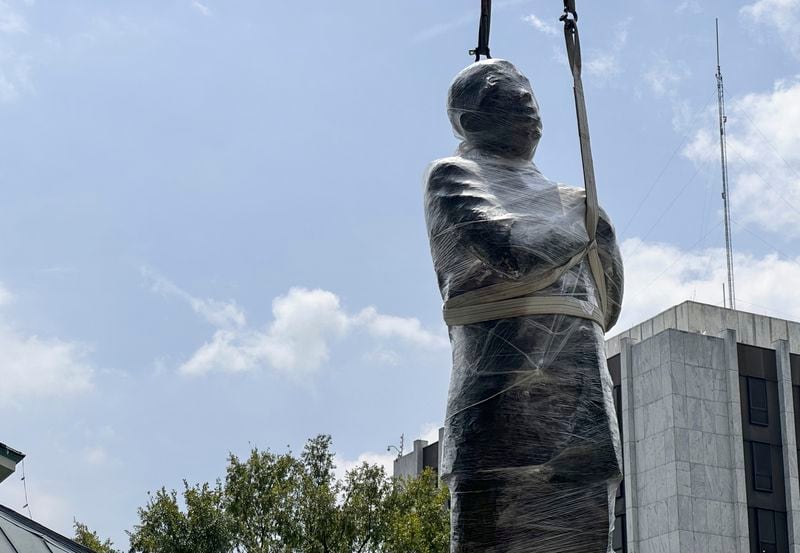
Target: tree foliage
261, 495
90, 539
280, 503
202, 527
364, 509
418, 522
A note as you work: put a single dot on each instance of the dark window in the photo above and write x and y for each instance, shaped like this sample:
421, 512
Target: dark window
757, 396
762, 467
618, 406
767, 538
618, 543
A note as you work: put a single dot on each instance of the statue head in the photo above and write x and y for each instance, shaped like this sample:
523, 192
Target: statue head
492, 108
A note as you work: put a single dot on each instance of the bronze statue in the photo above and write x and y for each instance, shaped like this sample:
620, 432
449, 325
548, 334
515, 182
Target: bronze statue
532, 453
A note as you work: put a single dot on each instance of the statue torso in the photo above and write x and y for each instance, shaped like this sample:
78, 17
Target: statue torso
491, 221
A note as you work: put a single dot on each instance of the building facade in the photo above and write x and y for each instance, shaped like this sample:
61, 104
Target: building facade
708, 402
423, 456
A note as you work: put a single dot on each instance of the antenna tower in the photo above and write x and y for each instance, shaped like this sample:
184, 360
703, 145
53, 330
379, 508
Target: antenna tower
723, 146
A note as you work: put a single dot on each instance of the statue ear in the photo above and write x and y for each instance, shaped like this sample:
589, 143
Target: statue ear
471, 122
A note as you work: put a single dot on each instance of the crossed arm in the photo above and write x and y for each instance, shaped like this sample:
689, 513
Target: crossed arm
459, 211
462, 214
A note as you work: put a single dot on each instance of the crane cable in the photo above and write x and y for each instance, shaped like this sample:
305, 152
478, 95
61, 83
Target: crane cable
483, 32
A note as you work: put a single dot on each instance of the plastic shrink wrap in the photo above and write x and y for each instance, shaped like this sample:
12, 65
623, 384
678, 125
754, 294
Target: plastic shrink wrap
532, 451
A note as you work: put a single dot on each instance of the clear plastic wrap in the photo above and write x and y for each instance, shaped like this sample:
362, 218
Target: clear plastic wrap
531, 448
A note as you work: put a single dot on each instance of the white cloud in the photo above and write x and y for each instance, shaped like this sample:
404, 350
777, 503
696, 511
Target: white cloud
658, 276
202, 8
438, 29
95, 455
540, 25
560, 56
689, 6
664, 76
390, 326
15, 69
218, 313
32, 367
782, 16
344, 465
305, 324
470, 18
296, 343
5, 295
382, 356
428, 432
15, 66
11, 22
763, 155
682, 114
605, 64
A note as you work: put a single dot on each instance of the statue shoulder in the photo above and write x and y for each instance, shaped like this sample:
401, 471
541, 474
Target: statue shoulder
575, 194
451, 172
568, 191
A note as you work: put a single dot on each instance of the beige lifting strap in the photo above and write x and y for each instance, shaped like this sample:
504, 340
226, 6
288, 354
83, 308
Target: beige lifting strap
592, 208
516, 299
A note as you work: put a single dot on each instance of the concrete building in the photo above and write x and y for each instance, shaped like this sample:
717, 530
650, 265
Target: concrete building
708, 401
423, 456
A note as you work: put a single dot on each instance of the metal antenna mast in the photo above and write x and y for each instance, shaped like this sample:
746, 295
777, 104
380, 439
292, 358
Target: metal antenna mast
723, 145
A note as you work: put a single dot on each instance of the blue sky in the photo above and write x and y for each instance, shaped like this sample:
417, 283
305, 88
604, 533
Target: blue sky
212, 224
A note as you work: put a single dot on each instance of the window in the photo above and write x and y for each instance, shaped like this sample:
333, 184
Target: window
762, 466
757, 396
767, 540
618, 407
619, 540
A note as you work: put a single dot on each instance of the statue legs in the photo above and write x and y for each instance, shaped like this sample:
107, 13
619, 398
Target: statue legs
535, 468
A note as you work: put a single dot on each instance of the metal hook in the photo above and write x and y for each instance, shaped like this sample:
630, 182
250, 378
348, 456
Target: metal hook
569, 9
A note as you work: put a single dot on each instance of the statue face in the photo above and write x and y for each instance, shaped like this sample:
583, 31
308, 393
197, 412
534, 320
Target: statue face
492, 108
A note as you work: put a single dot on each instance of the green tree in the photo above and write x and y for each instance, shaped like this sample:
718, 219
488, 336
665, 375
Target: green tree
261, 501
279, 503
318, 512
90, 539
363, 512
164, 528
418, 520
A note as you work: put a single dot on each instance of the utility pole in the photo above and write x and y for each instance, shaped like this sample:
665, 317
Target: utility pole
723, 146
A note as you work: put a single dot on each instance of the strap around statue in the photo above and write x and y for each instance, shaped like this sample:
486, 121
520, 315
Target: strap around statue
516, 299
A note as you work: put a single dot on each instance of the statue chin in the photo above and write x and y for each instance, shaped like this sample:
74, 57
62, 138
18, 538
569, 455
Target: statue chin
531, 448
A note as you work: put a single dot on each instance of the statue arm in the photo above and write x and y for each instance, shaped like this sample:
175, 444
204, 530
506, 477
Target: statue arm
612, 265
461, 212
